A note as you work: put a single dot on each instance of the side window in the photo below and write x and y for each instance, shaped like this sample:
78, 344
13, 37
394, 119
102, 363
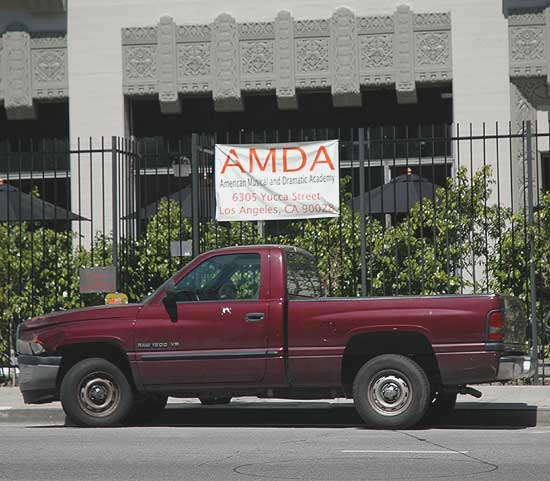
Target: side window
302, 276
225, 277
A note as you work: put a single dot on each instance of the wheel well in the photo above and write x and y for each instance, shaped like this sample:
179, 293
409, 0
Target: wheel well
77, 352
364, 347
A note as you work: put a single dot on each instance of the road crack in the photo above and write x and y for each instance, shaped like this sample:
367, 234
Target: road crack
492, 466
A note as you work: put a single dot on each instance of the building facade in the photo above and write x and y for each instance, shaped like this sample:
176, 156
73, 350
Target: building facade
76, 70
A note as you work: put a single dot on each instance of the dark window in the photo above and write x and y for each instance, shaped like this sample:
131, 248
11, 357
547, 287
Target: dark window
225, 277
302, 276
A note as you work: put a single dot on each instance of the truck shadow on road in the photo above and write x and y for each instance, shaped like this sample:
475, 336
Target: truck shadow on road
265, 414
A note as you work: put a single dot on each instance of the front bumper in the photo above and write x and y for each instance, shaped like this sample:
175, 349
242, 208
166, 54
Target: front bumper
37, 378
511, 368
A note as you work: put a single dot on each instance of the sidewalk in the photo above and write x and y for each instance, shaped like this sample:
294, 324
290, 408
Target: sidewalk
504, 405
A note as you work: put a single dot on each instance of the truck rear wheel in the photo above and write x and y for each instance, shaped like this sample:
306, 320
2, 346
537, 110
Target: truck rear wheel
96, 393
391, 392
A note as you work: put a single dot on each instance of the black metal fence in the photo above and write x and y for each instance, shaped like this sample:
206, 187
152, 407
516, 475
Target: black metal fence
444, 209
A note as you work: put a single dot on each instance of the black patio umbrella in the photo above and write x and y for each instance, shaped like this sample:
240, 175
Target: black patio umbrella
16, 206
183, 198
397, 196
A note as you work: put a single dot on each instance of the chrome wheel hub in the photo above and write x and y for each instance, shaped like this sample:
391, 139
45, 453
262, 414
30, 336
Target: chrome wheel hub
390, 395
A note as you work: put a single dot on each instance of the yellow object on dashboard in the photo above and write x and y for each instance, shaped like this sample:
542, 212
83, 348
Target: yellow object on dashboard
116, 298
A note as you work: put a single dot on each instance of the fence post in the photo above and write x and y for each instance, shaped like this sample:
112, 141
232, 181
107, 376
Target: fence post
195, 191
115, 207
11, 353
532, 282
361, 139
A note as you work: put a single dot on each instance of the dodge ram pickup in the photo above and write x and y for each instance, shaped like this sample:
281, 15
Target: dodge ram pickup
252, 321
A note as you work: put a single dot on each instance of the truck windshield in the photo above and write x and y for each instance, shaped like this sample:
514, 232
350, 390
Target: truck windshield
302, 276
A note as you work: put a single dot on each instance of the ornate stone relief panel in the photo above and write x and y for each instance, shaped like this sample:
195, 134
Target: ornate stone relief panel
343, 53
256, 50
528, 44
311, 55
433, 50
256, 57
193, 58
376, 58
31, 68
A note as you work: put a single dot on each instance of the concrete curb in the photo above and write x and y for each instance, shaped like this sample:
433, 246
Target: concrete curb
32, 416
306, 415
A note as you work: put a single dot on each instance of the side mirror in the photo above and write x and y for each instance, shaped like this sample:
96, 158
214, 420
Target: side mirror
169, 300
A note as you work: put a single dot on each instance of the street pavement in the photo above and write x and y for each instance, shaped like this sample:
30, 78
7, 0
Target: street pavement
159, 453
505, 435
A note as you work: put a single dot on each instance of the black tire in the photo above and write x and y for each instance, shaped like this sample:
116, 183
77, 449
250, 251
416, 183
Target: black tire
211, 401
96, 393
391, 392
146, 408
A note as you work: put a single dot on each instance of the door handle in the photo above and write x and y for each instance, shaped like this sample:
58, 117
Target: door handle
254, 317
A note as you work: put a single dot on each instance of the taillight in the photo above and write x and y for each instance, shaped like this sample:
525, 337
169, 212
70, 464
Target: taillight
496, 326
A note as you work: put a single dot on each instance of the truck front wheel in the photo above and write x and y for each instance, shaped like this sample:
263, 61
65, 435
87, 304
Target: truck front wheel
96, 393
391, 392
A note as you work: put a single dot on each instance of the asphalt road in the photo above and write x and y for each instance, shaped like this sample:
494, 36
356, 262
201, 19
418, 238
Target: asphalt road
225, 445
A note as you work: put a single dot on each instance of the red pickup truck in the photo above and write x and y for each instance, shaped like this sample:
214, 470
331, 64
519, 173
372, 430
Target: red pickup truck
252, 321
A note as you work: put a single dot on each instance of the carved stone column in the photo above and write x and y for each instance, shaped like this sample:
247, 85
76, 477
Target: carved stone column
226, 89
167, 66
284, 61
404, 55
344, 60
17, 86
523, 98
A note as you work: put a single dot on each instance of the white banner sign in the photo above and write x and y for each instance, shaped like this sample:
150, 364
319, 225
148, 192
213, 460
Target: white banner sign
277, 181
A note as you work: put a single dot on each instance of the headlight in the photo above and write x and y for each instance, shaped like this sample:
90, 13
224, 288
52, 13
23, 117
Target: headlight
23, 347
37, 348
30, 348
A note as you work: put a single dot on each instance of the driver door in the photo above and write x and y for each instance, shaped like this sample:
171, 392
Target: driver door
220, 334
